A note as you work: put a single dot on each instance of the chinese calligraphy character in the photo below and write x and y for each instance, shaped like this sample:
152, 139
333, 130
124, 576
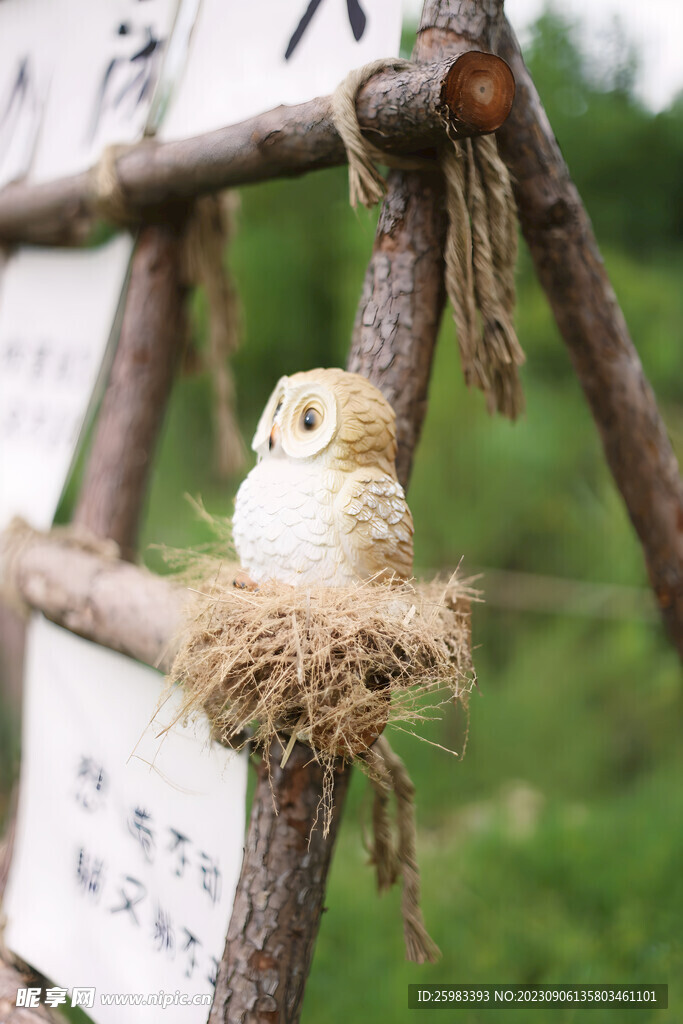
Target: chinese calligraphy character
189, 947
91, 782
12, 353
129, 78
131, 901
357, 20
164, 932
211, 877
39, 357
90, 874
11, 421
21, 106
178, 843
139, 827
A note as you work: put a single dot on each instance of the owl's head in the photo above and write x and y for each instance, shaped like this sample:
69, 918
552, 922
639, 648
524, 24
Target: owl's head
330, 411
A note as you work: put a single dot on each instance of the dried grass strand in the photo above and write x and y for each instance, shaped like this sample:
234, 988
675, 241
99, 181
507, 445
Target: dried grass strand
331, 666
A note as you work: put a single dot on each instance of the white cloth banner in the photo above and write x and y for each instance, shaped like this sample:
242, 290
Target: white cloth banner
109, 57
128, 845
27, 56
56, 314
242, 62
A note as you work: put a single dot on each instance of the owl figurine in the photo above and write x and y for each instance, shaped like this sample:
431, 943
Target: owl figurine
323, 505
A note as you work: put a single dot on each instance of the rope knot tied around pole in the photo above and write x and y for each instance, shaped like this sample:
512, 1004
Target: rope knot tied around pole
481, 244
109, 198
208, 228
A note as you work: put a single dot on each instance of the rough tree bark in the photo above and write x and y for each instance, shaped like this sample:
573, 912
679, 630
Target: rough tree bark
560, 237
152, 335
12, 975
403, 293
402, 301
280, 894
11, 979
268, 951
402, 111
104, 599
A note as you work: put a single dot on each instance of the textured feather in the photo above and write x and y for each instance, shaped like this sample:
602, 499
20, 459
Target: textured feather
375, 524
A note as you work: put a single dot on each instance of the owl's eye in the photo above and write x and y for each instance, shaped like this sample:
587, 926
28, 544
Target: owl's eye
311, 419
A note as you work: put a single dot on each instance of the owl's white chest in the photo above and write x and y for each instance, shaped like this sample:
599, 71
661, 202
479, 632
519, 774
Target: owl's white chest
284, 524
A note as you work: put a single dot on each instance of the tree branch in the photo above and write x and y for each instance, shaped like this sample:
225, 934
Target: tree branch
402, 301
402, 111
270, 942
106, 600
569, 266
403, 294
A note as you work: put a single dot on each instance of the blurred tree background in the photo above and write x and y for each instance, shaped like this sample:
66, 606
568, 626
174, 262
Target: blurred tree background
552, 851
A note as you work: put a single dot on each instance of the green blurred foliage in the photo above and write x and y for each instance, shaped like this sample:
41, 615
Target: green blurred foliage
625, 161
551, 851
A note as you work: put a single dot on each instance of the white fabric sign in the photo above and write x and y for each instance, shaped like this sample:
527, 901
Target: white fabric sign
27, 54
56, 314
129, 844
108, 63
298, 49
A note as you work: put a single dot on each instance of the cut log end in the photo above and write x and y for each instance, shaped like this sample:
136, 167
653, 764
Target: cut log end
478, 92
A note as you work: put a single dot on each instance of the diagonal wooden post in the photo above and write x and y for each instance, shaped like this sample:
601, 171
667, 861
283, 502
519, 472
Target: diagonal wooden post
571, 271
569, 266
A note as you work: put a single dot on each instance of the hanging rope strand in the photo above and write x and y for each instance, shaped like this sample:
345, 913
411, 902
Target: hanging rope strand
481, 243
394, 857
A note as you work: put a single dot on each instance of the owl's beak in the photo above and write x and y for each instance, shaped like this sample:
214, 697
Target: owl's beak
274, 437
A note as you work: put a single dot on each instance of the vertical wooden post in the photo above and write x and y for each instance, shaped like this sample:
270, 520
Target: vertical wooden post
402, 301
152, 335
282, 885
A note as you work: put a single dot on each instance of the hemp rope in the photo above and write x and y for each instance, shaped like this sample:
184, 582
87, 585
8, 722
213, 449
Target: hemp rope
207, 234
481, 243
108, 196
366, 184
392, 858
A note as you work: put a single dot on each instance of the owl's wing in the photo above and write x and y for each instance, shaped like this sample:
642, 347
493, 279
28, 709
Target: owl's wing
375, 525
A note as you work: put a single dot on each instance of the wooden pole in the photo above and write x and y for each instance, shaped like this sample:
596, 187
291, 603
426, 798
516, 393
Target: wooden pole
104, 599
402, 111
270, 946
560, 237
153, 332
402, 301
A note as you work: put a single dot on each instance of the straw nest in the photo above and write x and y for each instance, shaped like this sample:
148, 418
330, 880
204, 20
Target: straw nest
328, 666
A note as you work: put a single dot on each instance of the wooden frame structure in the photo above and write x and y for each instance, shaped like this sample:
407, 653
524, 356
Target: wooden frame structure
281, 888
